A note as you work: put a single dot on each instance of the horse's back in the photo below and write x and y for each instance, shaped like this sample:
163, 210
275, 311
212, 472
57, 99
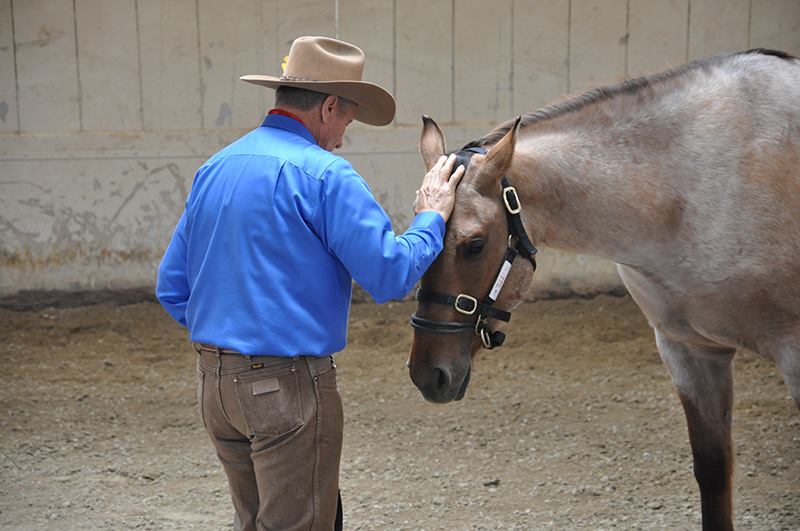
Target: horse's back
730, 275
739, 173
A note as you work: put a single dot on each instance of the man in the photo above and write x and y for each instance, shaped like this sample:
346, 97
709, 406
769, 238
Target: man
260, 270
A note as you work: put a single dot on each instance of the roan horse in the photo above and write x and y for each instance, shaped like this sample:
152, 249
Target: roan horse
689, 180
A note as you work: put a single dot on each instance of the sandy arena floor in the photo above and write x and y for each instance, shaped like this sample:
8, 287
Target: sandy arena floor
572, 425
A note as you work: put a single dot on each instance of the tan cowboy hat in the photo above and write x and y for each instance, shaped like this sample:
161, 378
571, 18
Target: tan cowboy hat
332, 67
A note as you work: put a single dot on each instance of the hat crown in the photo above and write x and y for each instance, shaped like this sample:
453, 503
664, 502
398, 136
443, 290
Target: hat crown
324, 59
334, 67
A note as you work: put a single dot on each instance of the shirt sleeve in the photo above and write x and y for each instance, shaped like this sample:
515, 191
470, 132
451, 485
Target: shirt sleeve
359, 233
172, 285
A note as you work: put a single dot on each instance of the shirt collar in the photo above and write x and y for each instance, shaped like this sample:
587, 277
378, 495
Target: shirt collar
280, 121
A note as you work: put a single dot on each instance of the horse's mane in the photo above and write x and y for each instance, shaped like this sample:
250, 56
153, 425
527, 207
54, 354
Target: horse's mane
597, 95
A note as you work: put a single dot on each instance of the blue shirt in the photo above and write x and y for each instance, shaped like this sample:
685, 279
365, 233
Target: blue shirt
274, 231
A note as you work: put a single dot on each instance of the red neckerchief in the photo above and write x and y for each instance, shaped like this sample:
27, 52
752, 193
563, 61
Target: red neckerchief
286, 113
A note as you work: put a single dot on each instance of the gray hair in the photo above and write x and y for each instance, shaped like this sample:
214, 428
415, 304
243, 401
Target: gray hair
305, 99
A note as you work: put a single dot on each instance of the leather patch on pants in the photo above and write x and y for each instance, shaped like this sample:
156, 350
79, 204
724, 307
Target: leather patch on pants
270, 402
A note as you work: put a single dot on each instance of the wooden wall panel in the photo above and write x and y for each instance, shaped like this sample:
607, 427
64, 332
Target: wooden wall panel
718, 26
369, 24
8, 76
775, 24
482, 61
168, 43
269, 58
108, 57
598, 35
230, 33
424, 67
47, 70
541, 53
304, 17
656, 35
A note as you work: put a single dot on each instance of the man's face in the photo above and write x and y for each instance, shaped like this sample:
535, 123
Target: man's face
337, 118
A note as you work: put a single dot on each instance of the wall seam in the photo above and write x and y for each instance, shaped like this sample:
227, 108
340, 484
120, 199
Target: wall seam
452, 61
569, 46
77, 63
511, 74
394, 52
16, 74
139, 157
139, 61
200, 65
750, 24
627, 35
260, 59
336, 16
688, 27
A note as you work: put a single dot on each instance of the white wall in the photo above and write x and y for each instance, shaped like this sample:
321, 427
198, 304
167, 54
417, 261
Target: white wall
107, 107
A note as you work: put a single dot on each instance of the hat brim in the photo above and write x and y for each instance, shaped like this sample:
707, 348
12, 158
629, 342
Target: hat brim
375, 105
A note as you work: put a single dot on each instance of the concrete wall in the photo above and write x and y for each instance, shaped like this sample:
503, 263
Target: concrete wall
107, 107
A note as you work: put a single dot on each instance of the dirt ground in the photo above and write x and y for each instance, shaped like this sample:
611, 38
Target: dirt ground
572, 425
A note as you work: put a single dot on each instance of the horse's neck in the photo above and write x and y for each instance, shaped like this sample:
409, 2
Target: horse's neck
585, 192
653, 174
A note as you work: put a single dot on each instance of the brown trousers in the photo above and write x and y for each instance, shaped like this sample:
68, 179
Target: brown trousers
276, 424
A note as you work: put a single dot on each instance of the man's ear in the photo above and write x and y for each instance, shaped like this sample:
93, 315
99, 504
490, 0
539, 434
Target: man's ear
431, 143
328, 108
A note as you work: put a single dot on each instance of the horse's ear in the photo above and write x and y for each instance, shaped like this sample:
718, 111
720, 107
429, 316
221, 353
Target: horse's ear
431, 143
498, 159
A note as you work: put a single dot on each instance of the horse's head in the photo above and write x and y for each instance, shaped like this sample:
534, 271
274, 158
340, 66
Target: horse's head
475, 281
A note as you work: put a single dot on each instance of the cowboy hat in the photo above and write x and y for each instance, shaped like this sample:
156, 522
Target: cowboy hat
332, 67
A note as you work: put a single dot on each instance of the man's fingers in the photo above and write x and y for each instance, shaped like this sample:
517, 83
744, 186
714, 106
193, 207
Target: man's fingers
438, 166
457, 175
448, 167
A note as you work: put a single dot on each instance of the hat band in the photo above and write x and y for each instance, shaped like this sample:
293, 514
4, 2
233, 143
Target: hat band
295, 78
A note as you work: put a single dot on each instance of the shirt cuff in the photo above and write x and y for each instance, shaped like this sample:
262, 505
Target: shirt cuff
432, 220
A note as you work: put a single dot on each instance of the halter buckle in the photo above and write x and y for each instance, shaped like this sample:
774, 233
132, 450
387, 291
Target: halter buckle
483, 332
471, 300
511, 191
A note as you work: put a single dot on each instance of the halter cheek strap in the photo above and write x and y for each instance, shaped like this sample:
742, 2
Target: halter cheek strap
518, 244
515, 227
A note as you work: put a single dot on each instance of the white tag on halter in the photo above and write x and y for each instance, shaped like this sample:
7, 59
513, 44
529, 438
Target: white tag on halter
501, 279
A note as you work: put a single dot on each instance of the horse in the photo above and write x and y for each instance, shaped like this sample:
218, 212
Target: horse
689, 180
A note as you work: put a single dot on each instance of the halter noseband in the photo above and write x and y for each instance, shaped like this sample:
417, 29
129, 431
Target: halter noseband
518, 244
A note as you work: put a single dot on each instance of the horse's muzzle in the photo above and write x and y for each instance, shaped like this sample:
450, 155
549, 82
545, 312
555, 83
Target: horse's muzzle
440, 384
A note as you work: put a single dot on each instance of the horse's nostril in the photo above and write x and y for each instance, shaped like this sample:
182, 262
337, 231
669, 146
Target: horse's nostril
442, 378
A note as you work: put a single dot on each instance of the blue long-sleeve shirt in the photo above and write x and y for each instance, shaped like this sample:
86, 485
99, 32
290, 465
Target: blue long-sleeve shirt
274, 231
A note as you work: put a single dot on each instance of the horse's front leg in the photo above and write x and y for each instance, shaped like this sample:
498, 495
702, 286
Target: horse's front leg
703, 378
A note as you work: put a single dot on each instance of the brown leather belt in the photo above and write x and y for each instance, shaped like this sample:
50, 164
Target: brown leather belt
316, 364
203, 347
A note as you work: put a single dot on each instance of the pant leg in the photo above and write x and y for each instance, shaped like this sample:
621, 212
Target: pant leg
298, 472
328, 447
339, 523
291, 412
232, 446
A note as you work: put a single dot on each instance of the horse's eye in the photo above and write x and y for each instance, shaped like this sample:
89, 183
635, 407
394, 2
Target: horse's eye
475, 247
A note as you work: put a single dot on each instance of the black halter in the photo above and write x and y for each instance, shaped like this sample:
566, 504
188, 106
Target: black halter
518, 244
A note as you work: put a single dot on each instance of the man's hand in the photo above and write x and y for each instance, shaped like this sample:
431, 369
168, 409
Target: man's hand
438, 190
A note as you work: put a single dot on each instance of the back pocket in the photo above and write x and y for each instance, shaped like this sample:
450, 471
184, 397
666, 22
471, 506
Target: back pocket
270, 401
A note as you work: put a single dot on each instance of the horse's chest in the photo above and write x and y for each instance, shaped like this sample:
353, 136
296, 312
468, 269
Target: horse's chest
679, 315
